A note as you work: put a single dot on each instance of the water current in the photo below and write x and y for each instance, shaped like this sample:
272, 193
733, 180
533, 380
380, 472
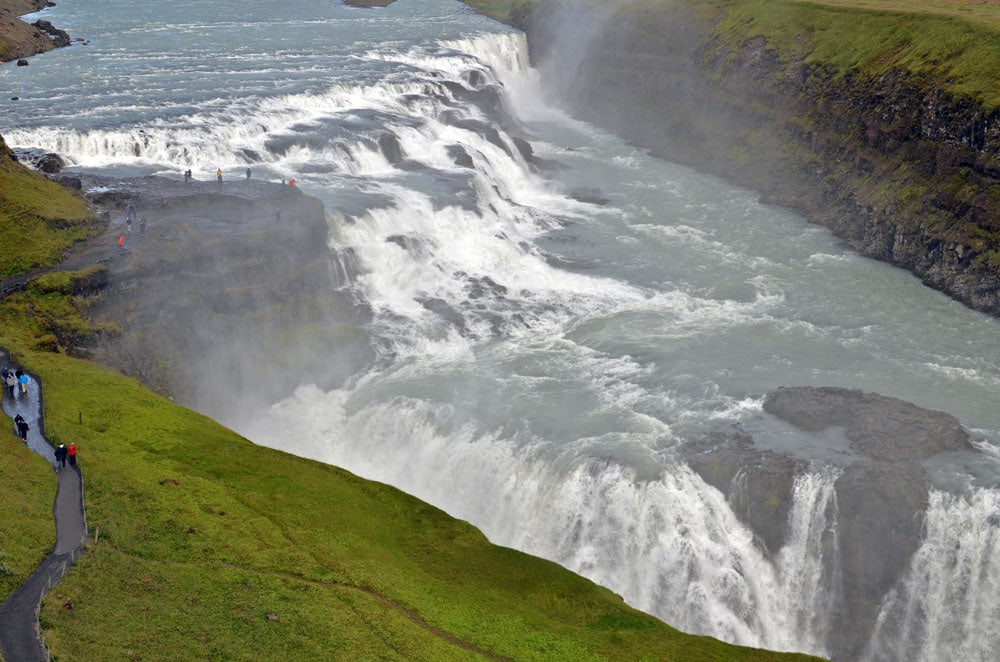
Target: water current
546, 338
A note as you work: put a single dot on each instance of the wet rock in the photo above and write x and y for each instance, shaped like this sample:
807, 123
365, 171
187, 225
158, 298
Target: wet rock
757, 483
389, 145
589, 195
444, 310
59, 37
881, 427
22, 62
460, 157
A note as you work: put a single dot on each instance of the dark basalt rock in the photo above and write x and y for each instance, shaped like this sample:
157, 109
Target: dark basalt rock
22, 62
59, 37
881, 494
230, 298
882, 428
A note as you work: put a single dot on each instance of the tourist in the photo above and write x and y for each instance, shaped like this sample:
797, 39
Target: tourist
121, 241
71, 452
218, 175
22, 427
11, 383
23, 380
61, 455
248, 174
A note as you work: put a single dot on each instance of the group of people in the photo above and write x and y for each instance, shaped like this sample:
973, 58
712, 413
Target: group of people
63, 452
188, 176
13, 379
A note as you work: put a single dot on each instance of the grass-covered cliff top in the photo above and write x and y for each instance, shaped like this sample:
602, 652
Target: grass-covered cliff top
956, 43
209, 547
39, 219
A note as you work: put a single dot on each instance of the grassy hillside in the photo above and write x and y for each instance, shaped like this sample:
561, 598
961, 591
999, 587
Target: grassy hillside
40, 220
27, 491
208, 547
958, 43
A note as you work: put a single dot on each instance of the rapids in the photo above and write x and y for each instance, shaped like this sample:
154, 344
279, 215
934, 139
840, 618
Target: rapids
549, 327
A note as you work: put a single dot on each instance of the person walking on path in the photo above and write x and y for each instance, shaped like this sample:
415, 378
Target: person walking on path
22, 427
71, 453
61, 455
121, 242
248, 174
11, 383
218, 176
23, 381
19, 628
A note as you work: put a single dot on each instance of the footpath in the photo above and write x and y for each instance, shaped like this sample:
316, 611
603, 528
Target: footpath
20, 635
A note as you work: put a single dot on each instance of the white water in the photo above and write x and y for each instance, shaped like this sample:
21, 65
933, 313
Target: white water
540, 358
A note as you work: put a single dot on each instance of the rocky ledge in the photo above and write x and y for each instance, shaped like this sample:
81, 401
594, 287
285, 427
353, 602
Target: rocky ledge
881, 491
227, 295
18, 39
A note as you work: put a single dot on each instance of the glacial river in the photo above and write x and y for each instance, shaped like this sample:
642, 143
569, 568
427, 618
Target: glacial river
545, 338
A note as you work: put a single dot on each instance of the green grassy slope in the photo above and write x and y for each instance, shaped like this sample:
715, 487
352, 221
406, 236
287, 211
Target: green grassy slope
27, 492
209, 547
39, 219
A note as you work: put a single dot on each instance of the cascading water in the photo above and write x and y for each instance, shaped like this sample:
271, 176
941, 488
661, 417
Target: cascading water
551, 328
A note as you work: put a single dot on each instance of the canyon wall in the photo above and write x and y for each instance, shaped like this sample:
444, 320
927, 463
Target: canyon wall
895, 162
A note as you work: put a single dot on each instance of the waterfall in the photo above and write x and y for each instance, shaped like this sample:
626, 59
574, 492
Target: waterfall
948, 605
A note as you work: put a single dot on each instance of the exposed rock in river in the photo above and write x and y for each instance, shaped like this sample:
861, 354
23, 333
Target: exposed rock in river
881, 492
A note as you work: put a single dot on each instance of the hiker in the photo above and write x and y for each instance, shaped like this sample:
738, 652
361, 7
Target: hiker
128, 224
61, 455
71, 452
218, 175
291, 182
11, 383
22, 427
248, 174
23, 381
128, 212
121, 241
142, 225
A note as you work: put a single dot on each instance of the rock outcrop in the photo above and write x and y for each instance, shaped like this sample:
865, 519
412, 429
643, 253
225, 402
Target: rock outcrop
19, 39
227, 297
881, 492
903, 170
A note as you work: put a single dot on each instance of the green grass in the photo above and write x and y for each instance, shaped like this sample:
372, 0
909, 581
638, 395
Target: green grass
962, 53
40, 219
27, 492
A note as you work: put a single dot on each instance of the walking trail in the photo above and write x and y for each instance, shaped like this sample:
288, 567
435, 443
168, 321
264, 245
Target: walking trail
20, 635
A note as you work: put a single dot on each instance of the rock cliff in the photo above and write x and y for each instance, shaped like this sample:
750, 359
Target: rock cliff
227, 297
898, 164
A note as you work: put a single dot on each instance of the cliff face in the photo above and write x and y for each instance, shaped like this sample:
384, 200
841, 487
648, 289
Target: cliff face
227, 297
903, 170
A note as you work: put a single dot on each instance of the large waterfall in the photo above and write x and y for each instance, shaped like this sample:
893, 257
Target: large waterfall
555, 313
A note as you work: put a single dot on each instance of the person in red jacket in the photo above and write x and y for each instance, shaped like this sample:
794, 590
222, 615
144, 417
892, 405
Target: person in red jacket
71, 453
